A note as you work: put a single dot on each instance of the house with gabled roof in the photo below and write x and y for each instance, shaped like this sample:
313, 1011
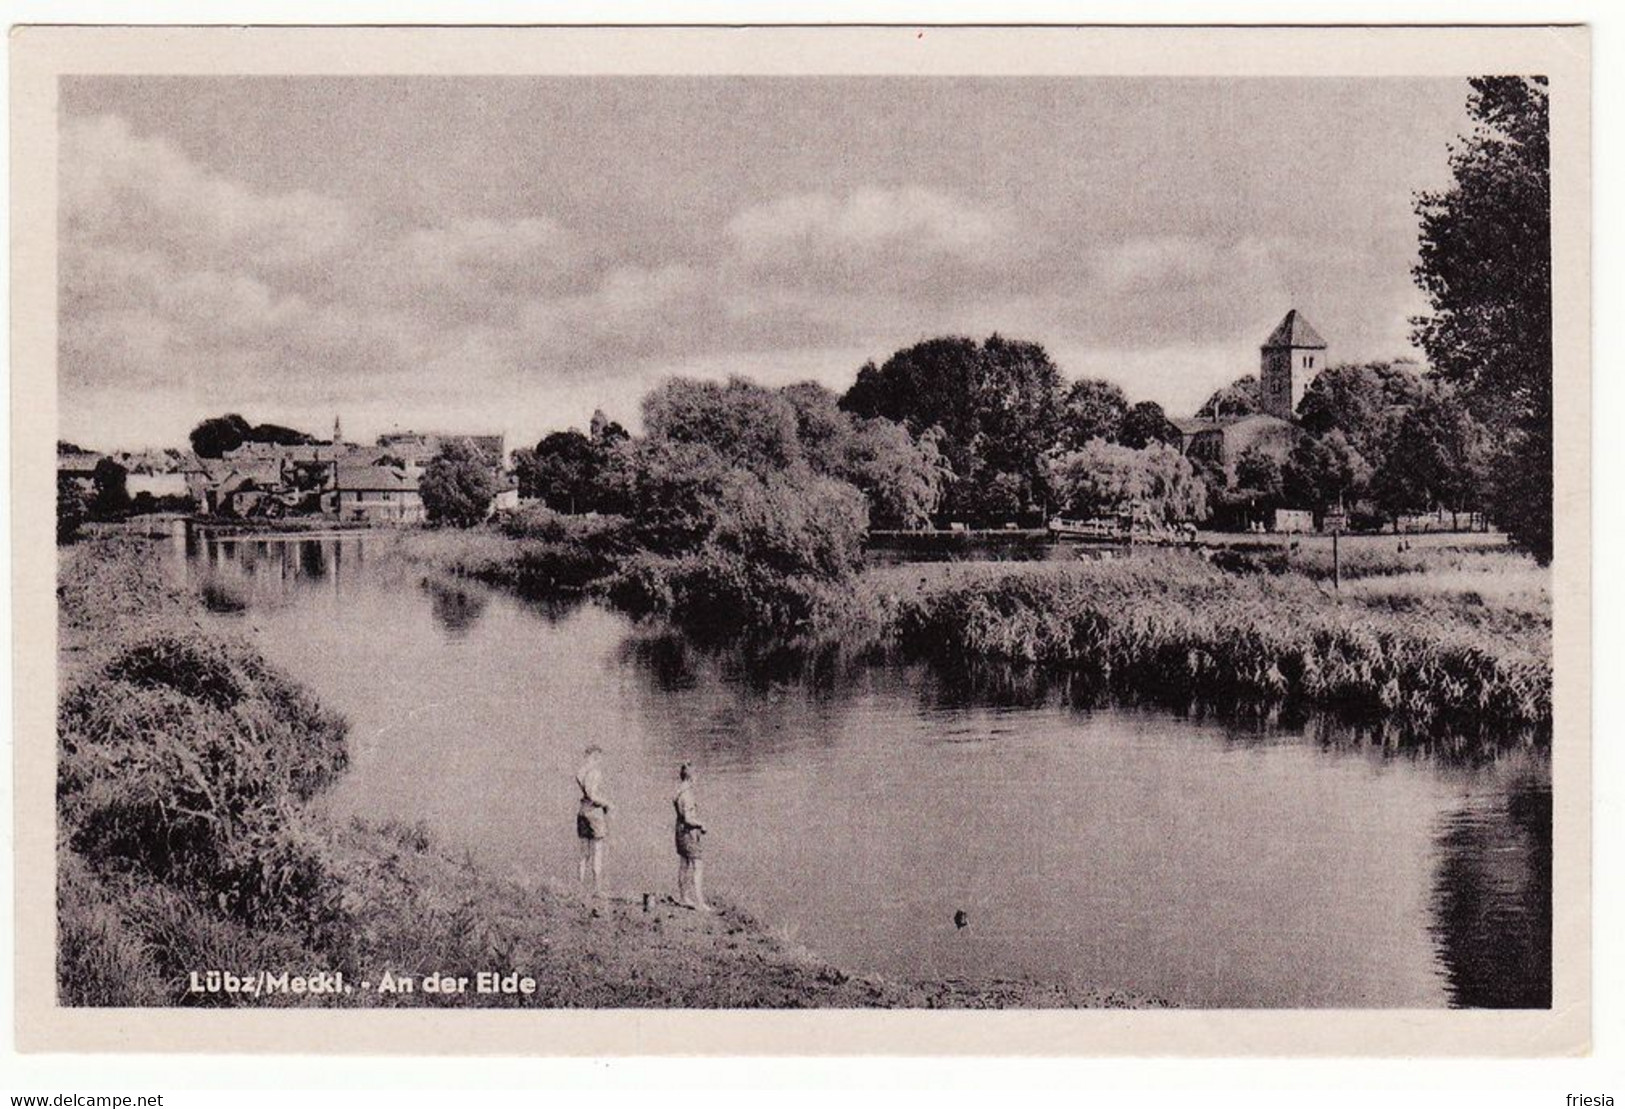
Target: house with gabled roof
374, 494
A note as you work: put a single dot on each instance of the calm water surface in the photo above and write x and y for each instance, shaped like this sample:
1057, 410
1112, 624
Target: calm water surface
1213, 864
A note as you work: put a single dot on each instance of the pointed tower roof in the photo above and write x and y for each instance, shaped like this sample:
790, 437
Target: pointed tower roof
1295, 331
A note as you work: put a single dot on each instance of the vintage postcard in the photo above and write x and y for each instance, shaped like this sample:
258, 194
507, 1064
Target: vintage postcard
805, 540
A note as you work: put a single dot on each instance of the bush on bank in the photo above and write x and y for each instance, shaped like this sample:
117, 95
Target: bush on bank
1173, 628
185, 759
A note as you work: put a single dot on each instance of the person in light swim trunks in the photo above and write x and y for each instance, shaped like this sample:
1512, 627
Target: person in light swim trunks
592, 820
690, 843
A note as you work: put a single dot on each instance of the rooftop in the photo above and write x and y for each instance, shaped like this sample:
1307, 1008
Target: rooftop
1295, 331
357, 478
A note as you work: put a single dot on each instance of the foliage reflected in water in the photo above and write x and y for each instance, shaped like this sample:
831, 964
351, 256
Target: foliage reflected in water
672, 660
455, 609
1492, 900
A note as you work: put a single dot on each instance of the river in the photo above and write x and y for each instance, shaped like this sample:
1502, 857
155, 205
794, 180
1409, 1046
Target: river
1211, 862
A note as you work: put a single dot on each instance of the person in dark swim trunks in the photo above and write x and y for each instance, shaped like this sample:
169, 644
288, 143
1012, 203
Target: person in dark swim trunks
592, 820
690, 843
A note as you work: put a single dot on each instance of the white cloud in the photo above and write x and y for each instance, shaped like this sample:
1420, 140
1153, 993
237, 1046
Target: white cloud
866, 220
118, 188
631, 309
880, 239
175, 276
1160, 263
467, 266
183, 285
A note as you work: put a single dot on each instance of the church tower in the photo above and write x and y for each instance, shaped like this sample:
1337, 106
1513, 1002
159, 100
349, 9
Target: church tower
1292, 355
338, 435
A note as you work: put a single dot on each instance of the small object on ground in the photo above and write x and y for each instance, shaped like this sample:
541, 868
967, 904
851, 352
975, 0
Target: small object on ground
961, 919
645, 902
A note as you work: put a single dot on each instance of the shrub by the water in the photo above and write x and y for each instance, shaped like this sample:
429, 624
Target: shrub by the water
718, 594
1173, 628
183, 764
535, 550
185, 759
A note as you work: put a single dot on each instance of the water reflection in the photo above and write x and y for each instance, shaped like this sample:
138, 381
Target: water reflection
664, 658
456, 609
1492, 897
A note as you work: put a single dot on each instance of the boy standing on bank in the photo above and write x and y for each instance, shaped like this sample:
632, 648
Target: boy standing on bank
592, 820
690, 843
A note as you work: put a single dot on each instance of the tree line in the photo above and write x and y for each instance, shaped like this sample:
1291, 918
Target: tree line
1379, 440
988, 432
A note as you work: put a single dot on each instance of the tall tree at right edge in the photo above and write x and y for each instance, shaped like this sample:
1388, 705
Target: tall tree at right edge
1486, 267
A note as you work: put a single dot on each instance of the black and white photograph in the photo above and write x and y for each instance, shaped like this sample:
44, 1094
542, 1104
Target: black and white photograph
772, 541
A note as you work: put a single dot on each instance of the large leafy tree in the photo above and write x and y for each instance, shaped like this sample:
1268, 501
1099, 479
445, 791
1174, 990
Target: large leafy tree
1258, 477
746, 424
1093, 409
1324, 473
562, 472
1156, 482
1437, 458
791, 523
1147, 423
1485, 266
566, 469
997, 406
823, 431
1239, 398
667, 489
902, 477
1364, 401
110, 492
458, 485
213, 437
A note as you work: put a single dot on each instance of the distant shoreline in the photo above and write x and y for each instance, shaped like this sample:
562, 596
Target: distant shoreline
1429, 637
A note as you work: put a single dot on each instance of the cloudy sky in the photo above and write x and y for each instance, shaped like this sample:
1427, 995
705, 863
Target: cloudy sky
509, 253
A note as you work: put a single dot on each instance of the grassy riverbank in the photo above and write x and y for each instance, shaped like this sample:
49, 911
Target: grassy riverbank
1440, 638
186, 843
1422, 650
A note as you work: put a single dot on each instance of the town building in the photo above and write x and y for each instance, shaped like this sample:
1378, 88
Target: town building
418, 447
374, 495
343, 481
78, 467
1221, 442
1288, 360
253, 490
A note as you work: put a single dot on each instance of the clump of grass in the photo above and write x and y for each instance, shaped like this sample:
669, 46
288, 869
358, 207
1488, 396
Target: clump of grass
1172, 627
100, 958
535, 551
183, 764
185, 759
